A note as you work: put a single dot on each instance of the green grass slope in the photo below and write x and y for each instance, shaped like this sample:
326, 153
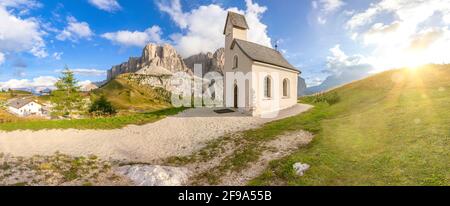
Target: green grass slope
128, 95
103, 123
137, 105
390, 129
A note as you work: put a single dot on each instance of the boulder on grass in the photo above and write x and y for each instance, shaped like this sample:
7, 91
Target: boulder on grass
153, 175
300, 168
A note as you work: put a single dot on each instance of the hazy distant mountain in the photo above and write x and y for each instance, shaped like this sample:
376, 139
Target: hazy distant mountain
339, 80
301, 87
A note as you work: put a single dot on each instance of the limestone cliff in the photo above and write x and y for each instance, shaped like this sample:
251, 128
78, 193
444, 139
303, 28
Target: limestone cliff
210, 62
158, 63
155, 60
164, 60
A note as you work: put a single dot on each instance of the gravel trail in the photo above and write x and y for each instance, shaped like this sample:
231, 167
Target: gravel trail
178, 135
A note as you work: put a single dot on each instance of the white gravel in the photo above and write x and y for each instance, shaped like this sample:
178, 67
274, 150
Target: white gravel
177, 135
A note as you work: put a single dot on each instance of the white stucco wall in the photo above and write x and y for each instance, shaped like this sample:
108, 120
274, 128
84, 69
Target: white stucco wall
244, 68
277, 101
251, 92
15, 111
29, 109
251, 97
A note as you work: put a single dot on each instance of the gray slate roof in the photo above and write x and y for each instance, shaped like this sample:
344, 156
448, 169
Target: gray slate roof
263, 54
237, 20
19, 103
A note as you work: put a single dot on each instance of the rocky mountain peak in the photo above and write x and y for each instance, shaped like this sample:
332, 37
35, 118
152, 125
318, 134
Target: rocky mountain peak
152, 51
155, 60
210, 62
161, 60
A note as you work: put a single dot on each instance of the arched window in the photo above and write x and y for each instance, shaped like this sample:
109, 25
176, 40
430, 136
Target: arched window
235, 62
268, 87
286, 88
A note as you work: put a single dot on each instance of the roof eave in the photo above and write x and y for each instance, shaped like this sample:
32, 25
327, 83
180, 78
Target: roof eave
22, 105
287, 68
236, 42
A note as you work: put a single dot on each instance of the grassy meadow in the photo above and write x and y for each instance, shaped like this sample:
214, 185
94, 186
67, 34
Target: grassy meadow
128, 95
115, 122
136, 104
389, 129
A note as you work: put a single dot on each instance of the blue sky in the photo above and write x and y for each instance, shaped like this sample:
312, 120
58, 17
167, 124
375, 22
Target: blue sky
321, 37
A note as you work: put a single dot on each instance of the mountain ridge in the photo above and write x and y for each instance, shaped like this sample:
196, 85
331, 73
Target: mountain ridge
164, 59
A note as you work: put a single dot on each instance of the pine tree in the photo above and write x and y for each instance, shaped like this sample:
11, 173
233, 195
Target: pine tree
11, 93
102, 107
67, 97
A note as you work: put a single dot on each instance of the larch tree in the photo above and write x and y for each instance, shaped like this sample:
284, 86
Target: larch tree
67, 97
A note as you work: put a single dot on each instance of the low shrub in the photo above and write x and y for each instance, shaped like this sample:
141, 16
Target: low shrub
329, 97
102, 107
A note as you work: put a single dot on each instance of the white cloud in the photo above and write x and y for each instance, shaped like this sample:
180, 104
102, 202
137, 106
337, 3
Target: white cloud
203, 32
106, 5
75, 30
2, 58
36, 83
22, 6
315, 4
135, 38
202, 27
341, 68
86, 72
360, 19
258, 30
404, 32
315, 81
339, 63
412, 12
325, 8
175, 11
426, 38
57, 55
20, 35
20, 3
20, 73
331, 5
84, 84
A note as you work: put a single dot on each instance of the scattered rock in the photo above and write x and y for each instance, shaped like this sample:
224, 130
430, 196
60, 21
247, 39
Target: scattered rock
150, 175
58, 169
300, 168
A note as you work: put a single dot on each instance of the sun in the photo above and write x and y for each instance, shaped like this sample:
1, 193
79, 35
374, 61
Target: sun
413, 68
410, 60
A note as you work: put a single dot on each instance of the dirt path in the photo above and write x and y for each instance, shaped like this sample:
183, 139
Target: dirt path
178, 135
276, 149
208, 164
